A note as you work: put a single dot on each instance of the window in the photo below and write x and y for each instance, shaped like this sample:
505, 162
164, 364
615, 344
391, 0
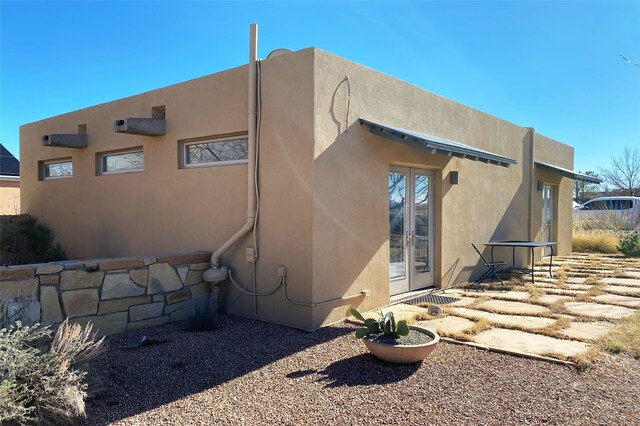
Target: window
54, 169
121, 162
222, 152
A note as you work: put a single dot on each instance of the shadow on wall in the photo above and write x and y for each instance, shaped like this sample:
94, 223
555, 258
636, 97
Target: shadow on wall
132, 381
513, 225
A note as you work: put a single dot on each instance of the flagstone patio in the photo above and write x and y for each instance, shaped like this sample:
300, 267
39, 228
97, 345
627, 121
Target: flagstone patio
560, 317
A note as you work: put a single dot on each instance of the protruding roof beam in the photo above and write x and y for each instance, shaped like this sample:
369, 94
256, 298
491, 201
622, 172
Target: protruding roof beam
65, 140
141, 126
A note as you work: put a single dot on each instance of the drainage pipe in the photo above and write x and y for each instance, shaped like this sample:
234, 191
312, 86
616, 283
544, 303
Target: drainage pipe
532, 183
251, 156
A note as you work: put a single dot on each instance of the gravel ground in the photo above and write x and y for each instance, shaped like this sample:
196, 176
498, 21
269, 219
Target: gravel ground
253, 373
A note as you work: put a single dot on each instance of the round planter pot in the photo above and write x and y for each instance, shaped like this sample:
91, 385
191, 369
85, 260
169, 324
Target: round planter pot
403, 354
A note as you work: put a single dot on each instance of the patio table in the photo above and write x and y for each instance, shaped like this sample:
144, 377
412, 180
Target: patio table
524, 244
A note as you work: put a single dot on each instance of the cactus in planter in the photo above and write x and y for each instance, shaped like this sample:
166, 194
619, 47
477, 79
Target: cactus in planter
386, 324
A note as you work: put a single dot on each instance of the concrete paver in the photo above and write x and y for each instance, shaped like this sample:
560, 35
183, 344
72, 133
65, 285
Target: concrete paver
587, 330
564, 291
579, 286
502, 319
449, 324
632, 302
464, 301
511, 295
633, 282
553, 298
631, 291
521, 341
598, 310
401, 311
513, 307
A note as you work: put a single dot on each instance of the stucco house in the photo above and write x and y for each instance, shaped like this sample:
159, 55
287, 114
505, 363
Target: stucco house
369, 187
9, 183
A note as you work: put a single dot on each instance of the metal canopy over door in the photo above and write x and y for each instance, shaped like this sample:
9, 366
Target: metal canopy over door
547, 217
410, 229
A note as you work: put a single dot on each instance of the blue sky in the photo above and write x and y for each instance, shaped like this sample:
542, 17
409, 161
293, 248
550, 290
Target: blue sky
552, 66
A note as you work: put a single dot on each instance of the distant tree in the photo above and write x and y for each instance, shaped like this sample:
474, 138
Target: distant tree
624, 172
584, 191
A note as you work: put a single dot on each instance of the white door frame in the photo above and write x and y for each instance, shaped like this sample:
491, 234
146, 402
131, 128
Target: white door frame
412, 273
548, 215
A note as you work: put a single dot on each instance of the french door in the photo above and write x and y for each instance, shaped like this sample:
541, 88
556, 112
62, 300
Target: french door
547, 216
411, 234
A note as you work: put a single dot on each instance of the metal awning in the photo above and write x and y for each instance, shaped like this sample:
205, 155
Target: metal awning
435, 144
567, 173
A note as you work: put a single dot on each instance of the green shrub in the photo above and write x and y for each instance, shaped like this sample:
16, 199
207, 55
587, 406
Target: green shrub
41, 379
630, 244
31, 242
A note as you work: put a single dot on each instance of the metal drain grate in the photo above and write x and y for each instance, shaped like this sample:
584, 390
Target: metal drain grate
431, 298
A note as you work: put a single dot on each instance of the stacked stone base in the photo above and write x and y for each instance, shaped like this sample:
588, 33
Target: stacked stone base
115, 295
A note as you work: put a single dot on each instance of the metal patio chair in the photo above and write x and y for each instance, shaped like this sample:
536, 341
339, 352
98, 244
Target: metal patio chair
492, 271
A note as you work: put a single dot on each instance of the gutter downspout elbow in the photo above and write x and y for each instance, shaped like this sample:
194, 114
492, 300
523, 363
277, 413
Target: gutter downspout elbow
215, 257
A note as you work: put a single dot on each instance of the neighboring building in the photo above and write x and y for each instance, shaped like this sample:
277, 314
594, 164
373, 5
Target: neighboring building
354, 193
9, 183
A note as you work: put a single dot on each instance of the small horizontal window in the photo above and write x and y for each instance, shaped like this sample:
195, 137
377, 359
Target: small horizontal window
121, 162
56, 169
223, 151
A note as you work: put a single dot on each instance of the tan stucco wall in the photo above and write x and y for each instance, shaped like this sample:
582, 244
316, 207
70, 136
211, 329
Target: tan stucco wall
9, 196
166, 209
351, 181
324, 190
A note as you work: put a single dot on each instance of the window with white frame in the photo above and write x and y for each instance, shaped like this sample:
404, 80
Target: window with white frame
215, 152
54, 169
121, 162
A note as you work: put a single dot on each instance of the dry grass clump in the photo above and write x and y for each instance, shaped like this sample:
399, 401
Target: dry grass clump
585, 359
42, 380
595, 241
625, 337
620, 273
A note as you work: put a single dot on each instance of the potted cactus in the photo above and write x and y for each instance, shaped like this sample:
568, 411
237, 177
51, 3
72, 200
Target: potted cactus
395, 341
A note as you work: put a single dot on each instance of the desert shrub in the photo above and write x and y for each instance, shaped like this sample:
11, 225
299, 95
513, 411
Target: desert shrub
31, 242
595, 241
41, 378
630, 244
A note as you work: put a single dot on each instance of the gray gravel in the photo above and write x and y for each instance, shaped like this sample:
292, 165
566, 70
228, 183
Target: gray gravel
253, 373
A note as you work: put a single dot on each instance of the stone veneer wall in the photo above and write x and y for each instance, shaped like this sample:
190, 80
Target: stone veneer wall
115, 295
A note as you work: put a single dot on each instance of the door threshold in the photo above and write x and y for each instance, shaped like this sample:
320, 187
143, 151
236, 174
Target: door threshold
399, 298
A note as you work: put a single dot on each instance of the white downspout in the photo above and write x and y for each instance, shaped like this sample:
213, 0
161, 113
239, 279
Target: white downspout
251, 157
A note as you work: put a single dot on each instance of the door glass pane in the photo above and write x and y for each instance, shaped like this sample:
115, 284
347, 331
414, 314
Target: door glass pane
547, 213
397, 214
421, 224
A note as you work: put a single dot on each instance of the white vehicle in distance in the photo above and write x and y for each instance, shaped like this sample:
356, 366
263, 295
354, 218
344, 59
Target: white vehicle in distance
610, 213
